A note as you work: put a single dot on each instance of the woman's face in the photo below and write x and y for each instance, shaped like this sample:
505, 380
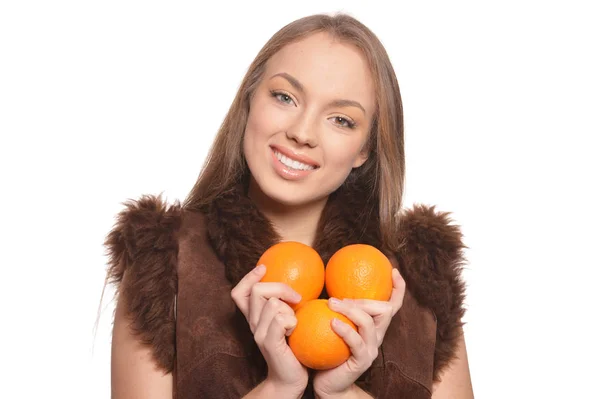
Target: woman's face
309, 120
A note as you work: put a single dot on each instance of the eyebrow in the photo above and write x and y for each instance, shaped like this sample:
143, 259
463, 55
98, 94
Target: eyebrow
335, 103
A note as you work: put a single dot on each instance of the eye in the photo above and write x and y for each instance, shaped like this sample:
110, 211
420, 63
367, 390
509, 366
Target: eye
343, 122
282, 97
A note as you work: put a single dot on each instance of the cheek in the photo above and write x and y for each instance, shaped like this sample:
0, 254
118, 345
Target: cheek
254, 134
342, 151
252, 125
264, 119
251, 135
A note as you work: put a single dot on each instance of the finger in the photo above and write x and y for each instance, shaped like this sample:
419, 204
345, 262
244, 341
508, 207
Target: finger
261, 292
278, 290
281, 325
273, 307
289, 322
383, 308
398, 290
356, 343
373, 308
364, 322
241, 291
381, 312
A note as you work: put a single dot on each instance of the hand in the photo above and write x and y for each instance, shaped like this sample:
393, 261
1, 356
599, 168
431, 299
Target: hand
382, 311
271, 320
372, 319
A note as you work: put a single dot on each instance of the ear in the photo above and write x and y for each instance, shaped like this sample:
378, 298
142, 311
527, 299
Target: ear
361, 158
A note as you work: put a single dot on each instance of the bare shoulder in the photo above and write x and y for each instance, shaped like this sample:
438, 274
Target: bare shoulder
455, 379
431, 261
142, 252
135, 372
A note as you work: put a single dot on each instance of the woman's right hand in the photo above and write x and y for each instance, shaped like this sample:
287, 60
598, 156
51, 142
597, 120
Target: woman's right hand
271, 320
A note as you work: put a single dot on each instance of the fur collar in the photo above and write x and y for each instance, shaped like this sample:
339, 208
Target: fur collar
144, 244
430, 258
240, 233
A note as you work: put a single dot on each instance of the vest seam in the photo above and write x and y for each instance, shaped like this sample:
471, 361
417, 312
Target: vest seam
393, 363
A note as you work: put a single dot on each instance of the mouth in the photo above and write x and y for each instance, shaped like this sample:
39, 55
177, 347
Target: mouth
292, 162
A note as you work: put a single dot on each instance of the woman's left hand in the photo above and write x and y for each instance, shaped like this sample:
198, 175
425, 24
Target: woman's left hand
372, 318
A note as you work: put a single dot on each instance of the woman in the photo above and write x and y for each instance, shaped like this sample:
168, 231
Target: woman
311, 150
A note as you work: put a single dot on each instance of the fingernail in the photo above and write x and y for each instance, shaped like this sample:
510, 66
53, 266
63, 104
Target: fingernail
334, 301
395, 273
337, 323
297, 297
260, 268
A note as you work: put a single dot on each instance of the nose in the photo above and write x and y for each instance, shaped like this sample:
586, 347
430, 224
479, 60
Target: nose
303, 132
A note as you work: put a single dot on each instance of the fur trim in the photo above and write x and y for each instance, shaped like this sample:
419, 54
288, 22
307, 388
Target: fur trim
142, 263
240, 233
431, 264
143, 247
347, 219
430, 258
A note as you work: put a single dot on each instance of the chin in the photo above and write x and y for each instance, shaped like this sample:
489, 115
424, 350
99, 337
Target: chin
268, 184
288, 194
283, 194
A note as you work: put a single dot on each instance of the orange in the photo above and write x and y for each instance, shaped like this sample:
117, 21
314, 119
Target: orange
313, 341
359, 271
297, 265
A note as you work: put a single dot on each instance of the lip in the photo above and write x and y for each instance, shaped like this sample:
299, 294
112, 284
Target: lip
286, 172
295, 156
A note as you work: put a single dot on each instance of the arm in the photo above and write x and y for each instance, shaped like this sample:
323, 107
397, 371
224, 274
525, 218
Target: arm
134, 374
355, 392
267, 390
271, 320
141, 245
455, 381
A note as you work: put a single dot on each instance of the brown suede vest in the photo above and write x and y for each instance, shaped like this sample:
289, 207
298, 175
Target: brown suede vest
196, 257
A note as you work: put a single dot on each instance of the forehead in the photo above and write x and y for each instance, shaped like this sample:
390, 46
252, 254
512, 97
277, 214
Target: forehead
326, 67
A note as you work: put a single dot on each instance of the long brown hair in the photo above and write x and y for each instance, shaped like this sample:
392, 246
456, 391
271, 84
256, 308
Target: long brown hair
384, 171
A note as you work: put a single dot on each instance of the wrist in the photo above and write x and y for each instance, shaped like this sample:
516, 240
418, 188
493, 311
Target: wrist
275, 389
352, 392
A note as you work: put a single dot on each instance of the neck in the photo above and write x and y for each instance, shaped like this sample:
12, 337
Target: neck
292, 222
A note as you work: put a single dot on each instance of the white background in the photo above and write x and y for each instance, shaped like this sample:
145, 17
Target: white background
104, 101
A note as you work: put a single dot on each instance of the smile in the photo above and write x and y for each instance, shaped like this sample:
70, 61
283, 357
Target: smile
290, 163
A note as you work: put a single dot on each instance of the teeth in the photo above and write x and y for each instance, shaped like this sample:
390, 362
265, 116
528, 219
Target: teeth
290, 163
